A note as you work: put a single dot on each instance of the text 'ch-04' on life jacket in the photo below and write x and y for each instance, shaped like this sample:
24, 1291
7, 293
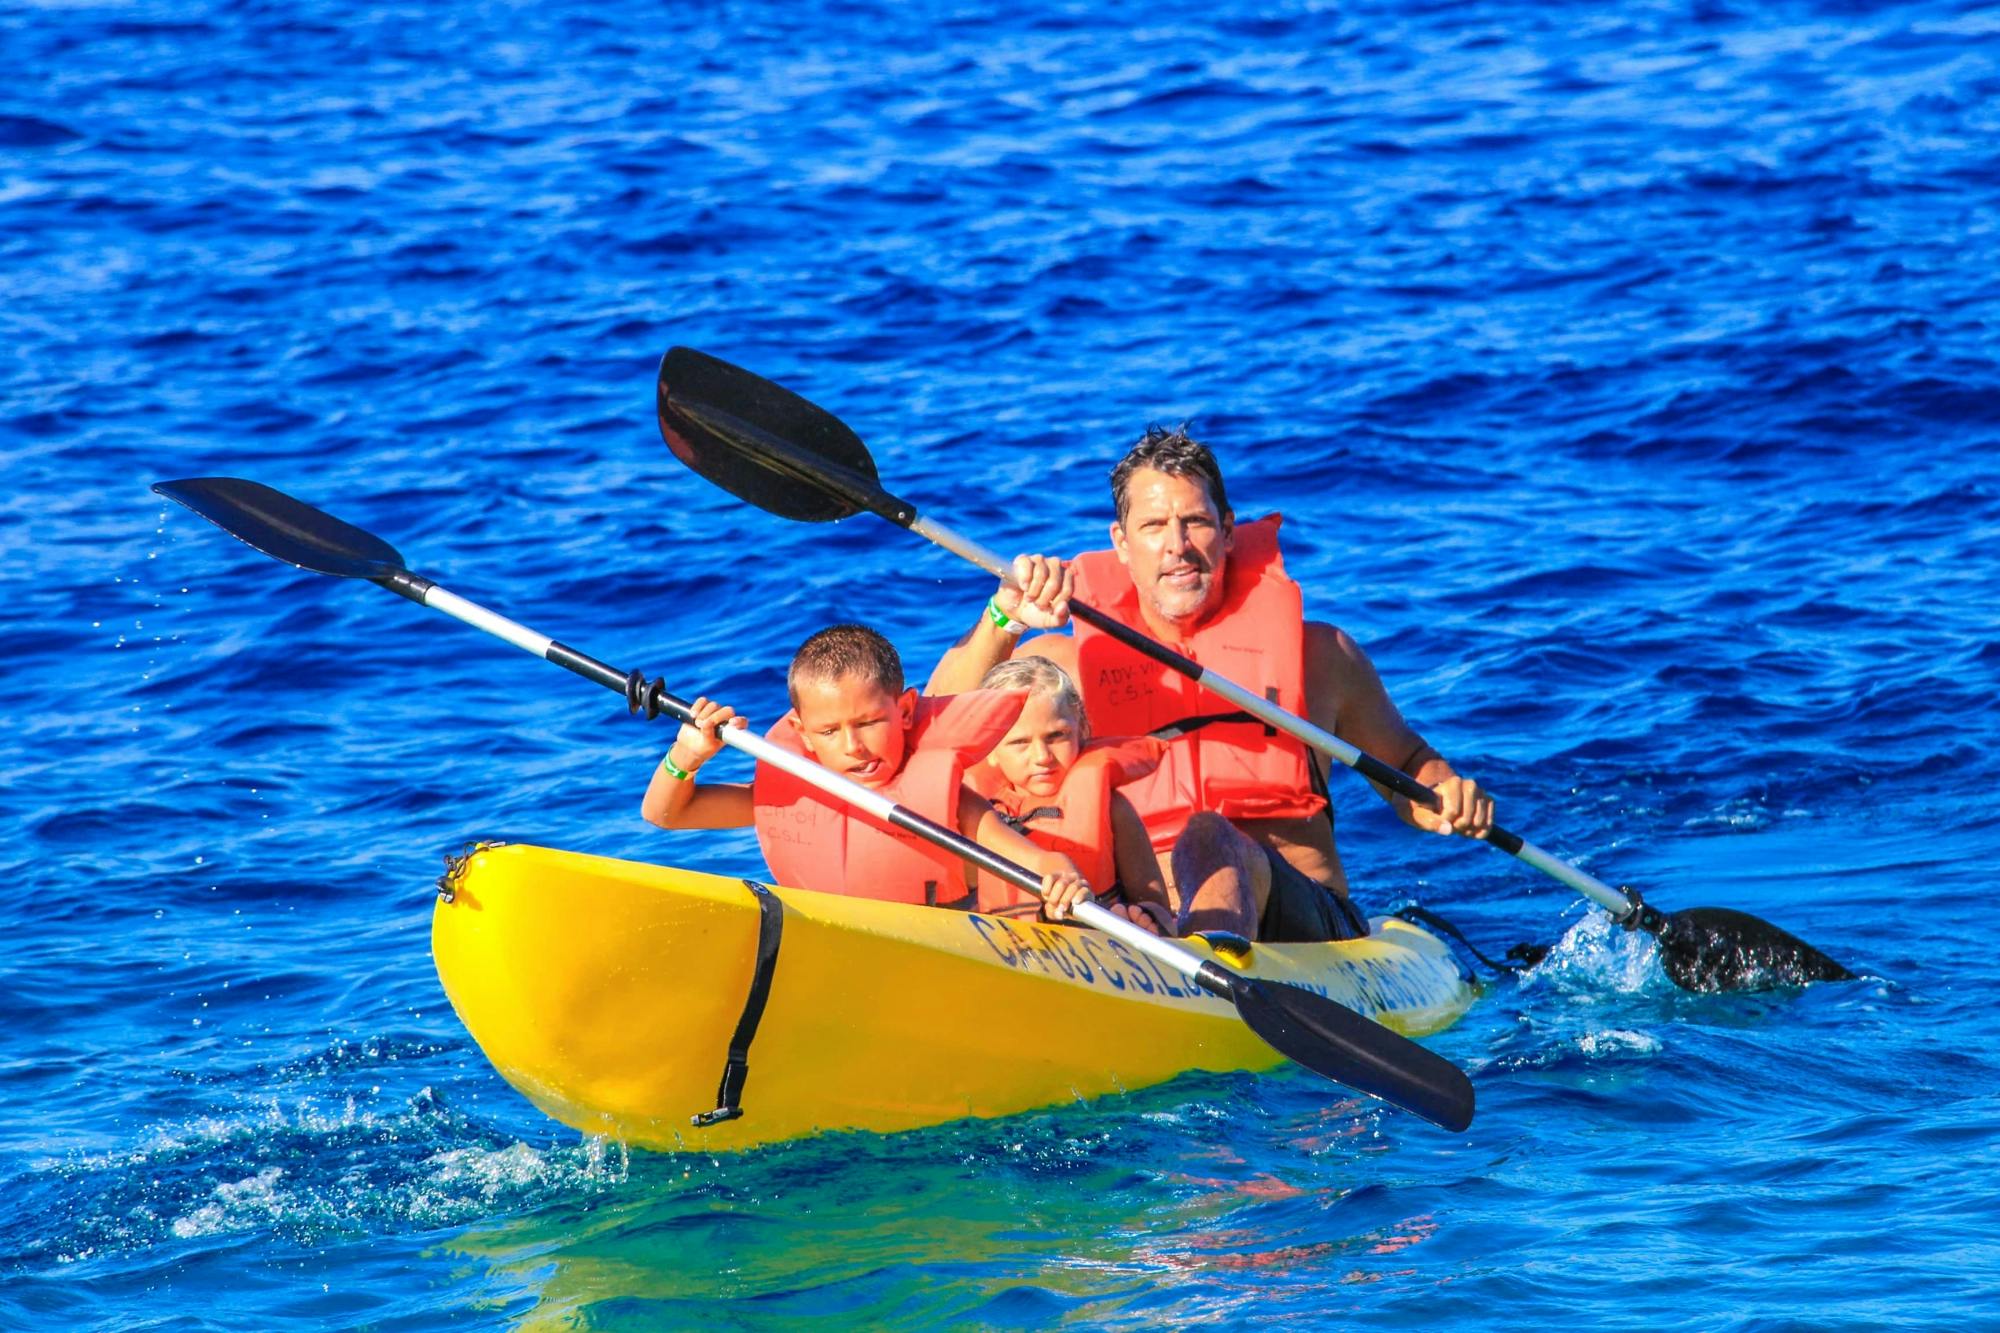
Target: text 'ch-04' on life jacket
1256, 637
815, 841
1076, 821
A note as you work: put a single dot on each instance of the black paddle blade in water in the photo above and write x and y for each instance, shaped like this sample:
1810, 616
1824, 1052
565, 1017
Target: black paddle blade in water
1330, 1039
284, 528
1720, 949
762, 442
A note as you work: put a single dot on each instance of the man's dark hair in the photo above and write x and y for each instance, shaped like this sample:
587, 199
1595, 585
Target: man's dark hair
1175, 453
845, 650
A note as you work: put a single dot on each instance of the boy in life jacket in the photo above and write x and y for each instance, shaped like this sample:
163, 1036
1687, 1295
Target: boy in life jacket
1049, 780
851, 714
1237, 811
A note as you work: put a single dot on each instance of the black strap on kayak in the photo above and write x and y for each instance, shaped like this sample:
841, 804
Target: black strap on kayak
770, 930
1520, 958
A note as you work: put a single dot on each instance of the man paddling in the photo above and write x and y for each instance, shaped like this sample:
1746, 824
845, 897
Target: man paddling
1237, 811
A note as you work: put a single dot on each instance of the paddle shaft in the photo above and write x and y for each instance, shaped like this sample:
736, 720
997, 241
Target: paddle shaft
428, 594
1610, 899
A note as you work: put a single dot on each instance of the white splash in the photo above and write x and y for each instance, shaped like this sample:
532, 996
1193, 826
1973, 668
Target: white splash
236, 1207
1596, 955
1618, 1041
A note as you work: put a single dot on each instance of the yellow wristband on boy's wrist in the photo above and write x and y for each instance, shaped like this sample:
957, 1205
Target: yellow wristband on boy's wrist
1003, 622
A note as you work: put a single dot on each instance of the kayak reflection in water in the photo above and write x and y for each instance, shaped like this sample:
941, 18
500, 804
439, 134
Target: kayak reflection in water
1236, 811
851, 714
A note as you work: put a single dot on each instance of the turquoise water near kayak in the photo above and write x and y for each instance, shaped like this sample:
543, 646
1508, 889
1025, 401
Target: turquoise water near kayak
1627, 377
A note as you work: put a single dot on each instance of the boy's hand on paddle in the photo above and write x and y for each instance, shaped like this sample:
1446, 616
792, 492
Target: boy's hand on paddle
1039, 595
1464, 808
699, 740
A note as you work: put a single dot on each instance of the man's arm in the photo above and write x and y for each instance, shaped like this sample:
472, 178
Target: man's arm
966, 662
1345, 695
1038, 598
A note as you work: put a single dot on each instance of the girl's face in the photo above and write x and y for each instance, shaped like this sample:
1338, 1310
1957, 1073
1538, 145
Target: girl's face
1044, 743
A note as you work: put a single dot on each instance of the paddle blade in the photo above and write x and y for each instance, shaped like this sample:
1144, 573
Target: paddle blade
761, 442
285, 529
1330, 1039
1719, 949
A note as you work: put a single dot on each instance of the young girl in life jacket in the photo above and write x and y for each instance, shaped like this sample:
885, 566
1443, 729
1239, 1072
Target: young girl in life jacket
1049, 780
851, 714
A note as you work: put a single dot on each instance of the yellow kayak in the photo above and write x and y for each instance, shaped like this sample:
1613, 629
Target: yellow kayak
610, 993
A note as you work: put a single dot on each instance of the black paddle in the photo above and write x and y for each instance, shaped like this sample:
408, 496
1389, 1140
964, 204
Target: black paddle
1323, 1035
765, 444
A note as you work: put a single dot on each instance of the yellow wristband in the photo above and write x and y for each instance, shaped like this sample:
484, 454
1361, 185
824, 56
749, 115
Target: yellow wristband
672, 769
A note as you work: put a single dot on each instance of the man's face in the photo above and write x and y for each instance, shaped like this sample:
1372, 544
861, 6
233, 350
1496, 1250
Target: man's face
1174, 542
855, 727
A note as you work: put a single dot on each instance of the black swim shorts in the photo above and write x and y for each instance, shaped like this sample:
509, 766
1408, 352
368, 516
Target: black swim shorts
1303, 910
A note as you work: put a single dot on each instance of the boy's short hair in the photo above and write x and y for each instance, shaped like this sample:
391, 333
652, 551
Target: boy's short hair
845, 650
1175, 453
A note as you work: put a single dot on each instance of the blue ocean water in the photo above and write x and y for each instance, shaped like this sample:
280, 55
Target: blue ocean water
1627, 375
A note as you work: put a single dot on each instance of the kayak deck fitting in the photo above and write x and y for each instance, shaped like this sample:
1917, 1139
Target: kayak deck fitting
609, 993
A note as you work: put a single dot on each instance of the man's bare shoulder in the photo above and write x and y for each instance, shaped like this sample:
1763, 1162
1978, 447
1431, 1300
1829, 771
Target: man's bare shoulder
1331, 648
1338, 674
1058, 648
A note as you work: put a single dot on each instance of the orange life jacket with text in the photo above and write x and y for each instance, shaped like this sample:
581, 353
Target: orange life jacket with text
1256, 637
815, 841
1076, 821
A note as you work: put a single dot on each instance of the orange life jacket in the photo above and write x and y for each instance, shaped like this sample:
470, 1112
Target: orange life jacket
1240, 770
1076, 821
815, 841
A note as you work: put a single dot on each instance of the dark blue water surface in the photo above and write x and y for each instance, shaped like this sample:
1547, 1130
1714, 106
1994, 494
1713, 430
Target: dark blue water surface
1627, 375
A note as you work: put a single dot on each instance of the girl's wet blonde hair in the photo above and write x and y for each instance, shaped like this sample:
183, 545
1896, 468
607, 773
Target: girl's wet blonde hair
1038, 675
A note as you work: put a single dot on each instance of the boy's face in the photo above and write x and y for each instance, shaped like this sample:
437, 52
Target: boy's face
1037, 754
855, 727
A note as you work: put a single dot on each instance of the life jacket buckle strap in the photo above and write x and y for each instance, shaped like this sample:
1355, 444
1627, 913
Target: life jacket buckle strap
1173, 731
736, 1069
1019, 823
